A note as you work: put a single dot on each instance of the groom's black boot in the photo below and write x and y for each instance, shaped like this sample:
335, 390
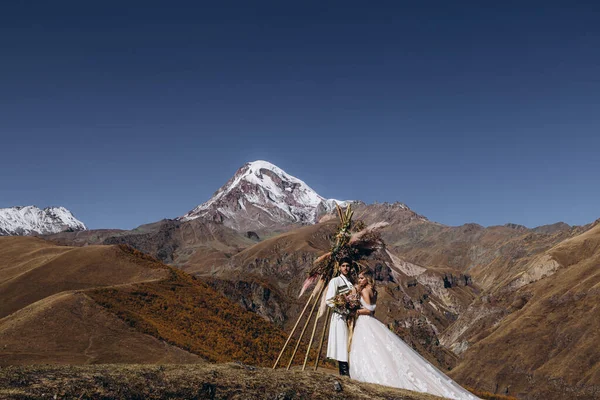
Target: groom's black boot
343, 367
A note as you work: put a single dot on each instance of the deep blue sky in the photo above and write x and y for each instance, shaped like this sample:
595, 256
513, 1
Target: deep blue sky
129, 113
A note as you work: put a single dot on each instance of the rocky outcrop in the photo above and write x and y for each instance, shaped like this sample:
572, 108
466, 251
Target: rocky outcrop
254, 296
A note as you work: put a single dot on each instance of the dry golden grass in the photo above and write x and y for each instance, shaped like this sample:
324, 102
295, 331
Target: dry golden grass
32, 269
70, 328
197, 381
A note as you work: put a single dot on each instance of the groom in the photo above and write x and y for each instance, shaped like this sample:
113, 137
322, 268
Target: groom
337, 343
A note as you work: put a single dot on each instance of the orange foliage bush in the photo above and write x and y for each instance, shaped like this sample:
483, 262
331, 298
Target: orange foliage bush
488, 395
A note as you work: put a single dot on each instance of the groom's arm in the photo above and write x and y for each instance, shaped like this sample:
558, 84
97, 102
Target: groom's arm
331, 292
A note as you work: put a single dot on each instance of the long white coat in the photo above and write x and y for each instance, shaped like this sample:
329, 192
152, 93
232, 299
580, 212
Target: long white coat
337, 343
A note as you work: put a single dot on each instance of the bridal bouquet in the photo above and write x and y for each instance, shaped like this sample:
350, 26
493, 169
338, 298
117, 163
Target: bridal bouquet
346, 304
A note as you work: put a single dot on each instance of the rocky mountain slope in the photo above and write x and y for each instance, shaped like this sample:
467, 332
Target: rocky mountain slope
547, 344
415, 301
189, 245
32, 220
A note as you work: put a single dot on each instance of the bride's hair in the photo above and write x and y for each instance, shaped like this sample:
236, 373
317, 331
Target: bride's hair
368, 274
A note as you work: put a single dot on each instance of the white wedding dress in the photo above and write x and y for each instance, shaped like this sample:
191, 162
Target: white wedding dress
377, 355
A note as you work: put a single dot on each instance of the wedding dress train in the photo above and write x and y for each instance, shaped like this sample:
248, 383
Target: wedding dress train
377, 355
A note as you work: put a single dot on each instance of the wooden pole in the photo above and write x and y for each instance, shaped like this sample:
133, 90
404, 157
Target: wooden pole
322, 337
305, 325
292, 332
312, 336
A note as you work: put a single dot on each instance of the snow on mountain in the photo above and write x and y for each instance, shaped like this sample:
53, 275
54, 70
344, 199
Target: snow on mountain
262, 195
32, 220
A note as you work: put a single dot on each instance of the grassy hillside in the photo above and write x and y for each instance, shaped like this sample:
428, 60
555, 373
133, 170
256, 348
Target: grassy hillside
113, 304
189, 314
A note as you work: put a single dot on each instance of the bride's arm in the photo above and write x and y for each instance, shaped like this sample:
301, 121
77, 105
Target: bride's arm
366, 294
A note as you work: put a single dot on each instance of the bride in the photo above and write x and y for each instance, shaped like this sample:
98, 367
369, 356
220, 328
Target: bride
377, 355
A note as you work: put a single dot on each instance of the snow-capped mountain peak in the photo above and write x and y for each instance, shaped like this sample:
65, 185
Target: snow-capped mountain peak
32, 220
260, 194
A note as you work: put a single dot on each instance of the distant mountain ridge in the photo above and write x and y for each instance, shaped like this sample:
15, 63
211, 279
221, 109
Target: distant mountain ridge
260, 196
31, 220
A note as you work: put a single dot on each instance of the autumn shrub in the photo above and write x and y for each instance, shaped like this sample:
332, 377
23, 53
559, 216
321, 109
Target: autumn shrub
488, 395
